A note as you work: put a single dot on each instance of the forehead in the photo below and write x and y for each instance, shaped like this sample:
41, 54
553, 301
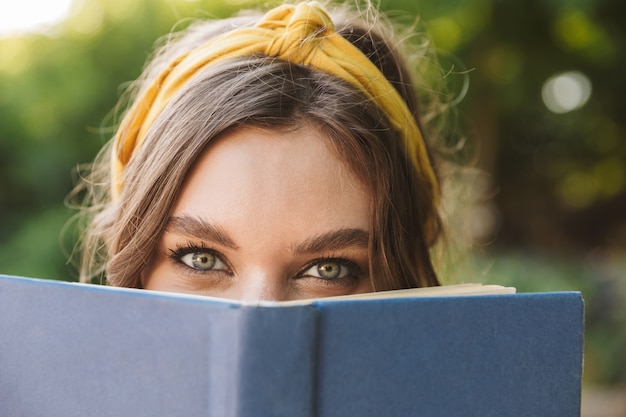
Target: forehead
292, 178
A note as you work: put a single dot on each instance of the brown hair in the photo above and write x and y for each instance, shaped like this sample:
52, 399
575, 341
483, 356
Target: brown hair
265, 92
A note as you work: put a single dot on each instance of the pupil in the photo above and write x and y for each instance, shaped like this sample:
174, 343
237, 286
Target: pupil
203, 260
329, 270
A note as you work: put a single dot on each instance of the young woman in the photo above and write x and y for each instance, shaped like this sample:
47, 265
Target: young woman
269, 157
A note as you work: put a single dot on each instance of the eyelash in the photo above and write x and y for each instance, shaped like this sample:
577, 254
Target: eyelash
355, 272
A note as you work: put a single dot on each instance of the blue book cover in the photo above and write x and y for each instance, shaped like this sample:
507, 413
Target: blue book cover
71, 349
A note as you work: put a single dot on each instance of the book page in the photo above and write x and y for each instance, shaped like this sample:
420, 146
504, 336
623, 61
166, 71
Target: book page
441, 291
468, 289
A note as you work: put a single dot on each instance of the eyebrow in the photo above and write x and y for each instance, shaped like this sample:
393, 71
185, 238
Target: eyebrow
200, 229
335, 240
330, 241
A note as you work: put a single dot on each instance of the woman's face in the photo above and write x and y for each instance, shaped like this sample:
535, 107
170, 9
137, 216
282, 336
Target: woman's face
266, 215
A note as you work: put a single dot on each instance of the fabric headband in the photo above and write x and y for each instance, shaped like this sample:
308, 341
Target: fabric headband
302, 34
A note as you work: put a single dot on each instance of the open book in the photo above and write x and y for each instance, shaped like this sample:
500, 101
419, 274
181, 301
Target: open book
470, 350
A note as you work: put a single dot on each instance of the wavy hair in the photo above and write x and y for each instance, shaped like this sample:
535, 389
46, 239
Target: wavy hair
120, 235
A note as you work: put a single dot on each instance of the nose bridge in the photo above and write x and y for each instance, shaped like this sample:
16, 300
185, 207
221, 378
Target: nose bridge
262, 285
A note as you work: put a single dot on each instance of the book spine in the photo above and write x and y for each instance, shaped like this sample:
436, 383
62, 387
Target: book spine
224, 348
277, 362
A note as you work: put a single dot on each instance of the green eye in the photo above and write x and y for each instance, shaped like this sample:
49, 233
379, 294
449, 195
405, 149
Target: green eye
202, 261
329, 270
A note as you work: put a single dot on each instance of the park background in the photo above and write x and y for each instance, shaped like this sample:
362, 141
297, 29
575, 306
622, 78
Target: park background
543, 119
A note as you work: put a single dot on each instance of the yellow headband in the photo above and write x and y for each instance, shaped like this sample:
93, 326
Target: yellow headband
302, 34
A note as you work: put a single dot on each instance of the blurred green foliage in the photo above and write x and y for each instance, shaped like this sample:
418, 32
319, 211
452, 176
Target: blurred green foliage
556, 220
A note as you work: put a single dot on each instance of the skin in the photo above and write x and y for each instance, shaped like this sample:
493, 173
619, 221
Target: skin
266, 215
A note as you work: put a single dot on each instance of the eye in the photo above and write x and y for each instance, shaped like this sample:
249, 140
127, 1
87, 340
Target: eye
329, 270
203, 261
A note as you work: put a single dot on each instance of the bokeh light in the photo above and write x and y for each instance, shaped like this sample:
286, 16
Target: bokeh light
567, 91
28, 15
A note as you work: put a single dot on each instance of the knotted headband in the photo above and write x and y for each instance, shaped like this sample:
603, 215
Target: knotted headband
302, 34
